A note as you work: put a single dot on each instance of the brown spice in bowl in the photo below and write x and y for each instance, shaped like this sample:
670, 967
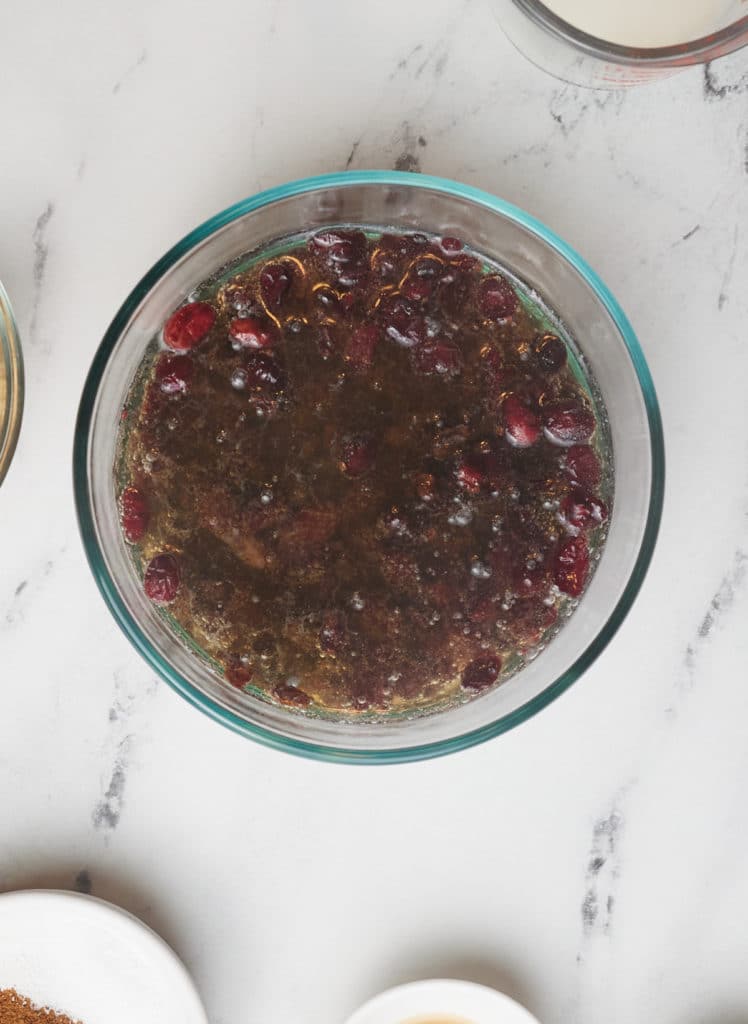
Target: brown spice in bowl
18, 1009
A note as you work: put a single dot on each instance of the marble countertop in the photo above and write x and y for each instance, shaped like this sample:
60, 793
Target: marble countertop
592, 862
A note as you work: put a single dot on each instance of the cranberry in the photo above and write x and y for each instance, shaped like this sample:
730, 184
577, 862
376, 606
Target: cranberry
417, 289
134, 514
497, 300
452, 296
264, 373
237, 673
401, 322
583, 465
471, 473
583, 510
440, 357
550, 353
357, 455
572, 565
521, 424
187, 327
361, 345
332, 239
161, 580
251, 332
291, 696
275, 282
568, 422
174, 373
481, 672
450, 245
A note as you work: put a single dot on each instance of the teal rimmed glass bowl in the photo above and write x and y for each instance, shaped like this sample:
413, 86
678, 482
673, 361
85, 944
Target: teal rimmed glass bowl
547, 266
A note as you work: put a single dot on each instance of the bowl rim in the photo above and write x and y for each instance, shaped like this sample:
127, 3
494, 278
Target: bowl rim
701, 50
12, 355
202, 700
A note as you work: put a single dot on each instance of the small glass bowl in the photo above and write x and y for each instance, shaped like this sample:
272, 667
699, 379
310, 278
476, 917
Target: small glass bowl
11, 384
572, 55
405, 202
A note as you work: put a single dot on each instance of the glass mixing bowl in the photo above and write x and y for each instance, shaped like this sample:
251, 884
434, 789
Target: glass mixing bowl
11, 384
572, 55
406, 202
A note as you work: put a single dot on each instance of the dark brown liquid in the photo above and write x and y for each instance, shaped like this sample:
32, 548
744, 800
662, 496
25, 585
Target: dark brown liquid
359, 534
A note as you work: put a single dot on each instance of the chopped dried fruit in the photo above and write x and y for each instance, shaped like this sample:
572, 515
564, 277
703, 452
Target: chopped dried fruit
572, 566
521, 423
174, 373
568, 422
251, 332
497, 300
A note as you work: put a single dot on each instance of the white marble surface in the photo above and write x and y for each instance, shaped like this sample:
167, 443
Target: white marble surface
591, 863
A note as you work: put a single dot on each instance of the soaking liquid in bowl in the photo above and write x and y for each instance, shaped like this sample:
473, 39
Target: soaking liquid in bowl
364, 473
648, 23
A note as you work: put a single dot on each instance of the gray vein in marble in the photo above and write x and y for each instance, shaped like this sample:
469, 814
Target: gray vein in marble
404, 63
29, 586
724, 292
716, 89
601, 874
108, 811
82, 882
688, 234
41, 253
408, 142
569, 105
719, 605
142, 58
352, 154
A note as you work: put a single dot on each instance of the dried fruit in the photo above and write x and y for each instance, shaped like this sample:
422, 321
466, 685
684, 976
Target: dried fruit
162, 578
572, 566
187, 327
481, 673
133, 514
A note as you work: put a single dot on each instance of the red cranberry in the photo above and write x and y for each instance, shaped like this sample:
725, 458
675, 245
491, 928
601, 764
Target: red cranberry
187, 327
264, 373
572, 566
357, 455
471, 473
481, 673
275, 282
550, 353
521, 424
583, 511
250, 332
134, 514
401, 322
452, 296
291, 696
497, 300
174, 373
568, 422
162, 577
582, 465
450, 245
361, 345
417, 289
440, 357
237, 673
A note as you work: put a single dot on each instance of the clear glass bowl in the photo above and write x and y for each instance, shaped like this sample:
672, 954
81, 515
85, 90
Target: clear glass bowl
555, 45
11, 384
547, 265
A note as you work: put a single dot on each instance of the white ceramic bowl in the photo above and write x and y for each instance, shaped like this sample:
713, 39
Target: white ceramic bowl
442, 1001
